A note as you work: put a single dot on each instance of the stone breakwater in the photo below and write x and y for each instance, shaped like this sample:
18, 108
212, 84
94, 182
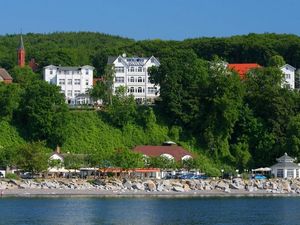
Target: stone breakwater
272, 186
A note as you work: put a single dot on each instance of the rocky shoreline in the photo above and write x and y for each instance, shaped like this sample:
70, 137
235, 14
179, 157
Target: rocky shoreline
149, 187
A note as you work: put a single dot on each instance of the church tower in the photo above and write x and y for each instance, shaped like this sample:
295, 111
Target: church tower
21, 53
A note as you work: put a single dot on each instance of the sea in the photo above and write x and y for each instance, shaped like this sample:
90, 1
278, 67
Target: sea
150, 210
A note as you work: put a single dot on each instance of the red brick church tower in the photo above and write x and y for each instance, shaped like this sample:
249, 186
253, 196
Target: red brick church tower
21, 53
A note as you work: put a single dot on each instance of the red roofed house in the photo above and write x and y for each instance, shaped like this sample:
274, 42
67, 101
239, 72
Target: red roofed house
5, 77
169, 150
243, 68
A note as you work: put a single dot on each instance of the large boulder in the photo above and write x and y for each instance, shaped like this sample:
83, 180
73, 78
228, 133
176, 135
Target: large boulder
150, 185
178, 189
222, 185
128, 185
138, 186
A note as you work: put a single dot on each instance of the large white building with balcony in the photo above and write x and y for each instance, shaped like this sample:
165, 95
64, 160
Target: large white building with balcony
289, 76
73, 81
132, 72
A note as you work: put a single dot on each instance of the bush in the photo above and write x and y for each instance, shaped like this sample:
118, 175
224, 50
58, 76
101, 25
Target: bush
12, 176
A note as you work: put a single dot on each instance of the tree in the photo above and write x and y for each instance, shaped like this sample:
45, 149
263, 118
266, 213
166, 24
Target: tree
123, 108
44, 113
23, 75
10, 100
276, 61
32, 157
127, 159
161, 162
104, 88
293, 136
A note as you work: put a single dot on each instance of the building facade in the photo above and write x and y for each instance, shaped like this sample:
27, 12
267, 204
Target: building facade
132, 73
73, 81
289, 76
286, 168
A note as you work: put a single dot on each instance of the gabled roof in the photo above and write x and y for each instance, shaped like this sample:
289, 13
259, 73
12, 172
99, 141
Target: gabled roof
243, 68
111, 59
155, 151
69, 67
4, 74
132, 61
285, 158
289, 66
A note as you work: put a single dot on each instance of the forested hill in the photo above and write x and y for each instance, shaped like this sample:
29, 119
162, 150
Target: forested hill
202, 106
93, 48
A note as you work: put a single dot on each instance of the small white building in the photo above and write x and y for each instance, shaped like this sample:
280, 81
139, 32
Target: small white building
132, 72
286, 168
73, 81
289, 76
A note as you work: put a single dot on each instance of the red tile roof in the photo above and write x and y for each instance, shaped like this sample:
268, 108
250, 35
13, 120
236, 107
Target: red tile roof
5, 75
243, 68
154, 151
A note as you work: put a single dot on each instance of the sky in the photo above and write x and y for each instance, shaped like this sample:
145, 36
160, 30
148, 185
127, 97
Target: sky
155, 19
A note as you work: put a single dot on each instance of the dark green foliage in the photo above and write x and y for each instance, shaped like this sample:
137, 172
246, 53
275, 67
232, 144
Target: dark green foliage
226, 121
32, 157
10, 97
127, 159
44, 113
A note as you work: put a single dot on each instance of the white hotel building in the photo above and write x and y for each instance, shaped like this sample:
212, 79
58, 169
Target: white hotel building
289, 76
73, 81
132, 72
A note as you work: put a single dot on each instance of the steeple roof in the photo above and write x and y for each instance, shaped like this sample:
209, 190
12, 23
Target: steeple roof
21, 45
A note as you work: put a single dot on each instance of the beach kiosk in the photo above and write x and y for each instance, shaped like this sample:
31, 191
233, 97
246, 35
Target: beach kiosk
285, 167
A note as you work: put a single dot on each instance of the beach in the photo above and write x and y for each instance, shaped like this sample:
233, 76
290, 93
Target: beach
115, 187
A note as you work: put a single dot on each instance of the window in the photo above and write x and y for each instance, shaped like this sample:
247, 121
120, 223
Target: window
61, 81
290, 173
119, 69
69, 82
131, 89
280, 173
119, 79
86, 72
65, 72
139, 90
119, 60
86, 82
51, 71
140, 79
140, 69
69, 94
131, 69
152, 60
73, 72
287, 76
76, 92
151, 90
77, 81
131, 79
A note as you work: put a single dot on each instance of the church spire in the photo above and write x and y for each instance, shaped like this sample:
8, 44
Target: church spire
21, 53
21, 45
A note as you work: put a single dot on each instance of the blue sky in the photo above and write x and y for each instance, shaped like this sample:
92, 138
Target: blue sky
163, 19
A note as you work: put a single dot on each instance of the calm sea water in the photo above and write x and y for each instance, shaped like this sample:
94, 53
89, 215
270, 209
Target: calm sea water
222, 210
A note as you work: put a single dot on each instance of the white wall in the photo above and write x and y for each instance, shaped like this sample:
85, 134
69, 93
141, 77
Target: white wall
73, 81
289, 76
128, 73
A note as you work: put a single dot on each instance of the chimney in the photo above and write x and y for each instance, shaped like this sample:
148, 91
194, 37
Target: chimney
57, 149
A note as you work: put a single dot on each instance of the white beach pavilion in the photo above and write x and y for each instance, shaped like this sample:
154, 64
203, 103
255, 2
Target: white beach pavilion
286, 168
